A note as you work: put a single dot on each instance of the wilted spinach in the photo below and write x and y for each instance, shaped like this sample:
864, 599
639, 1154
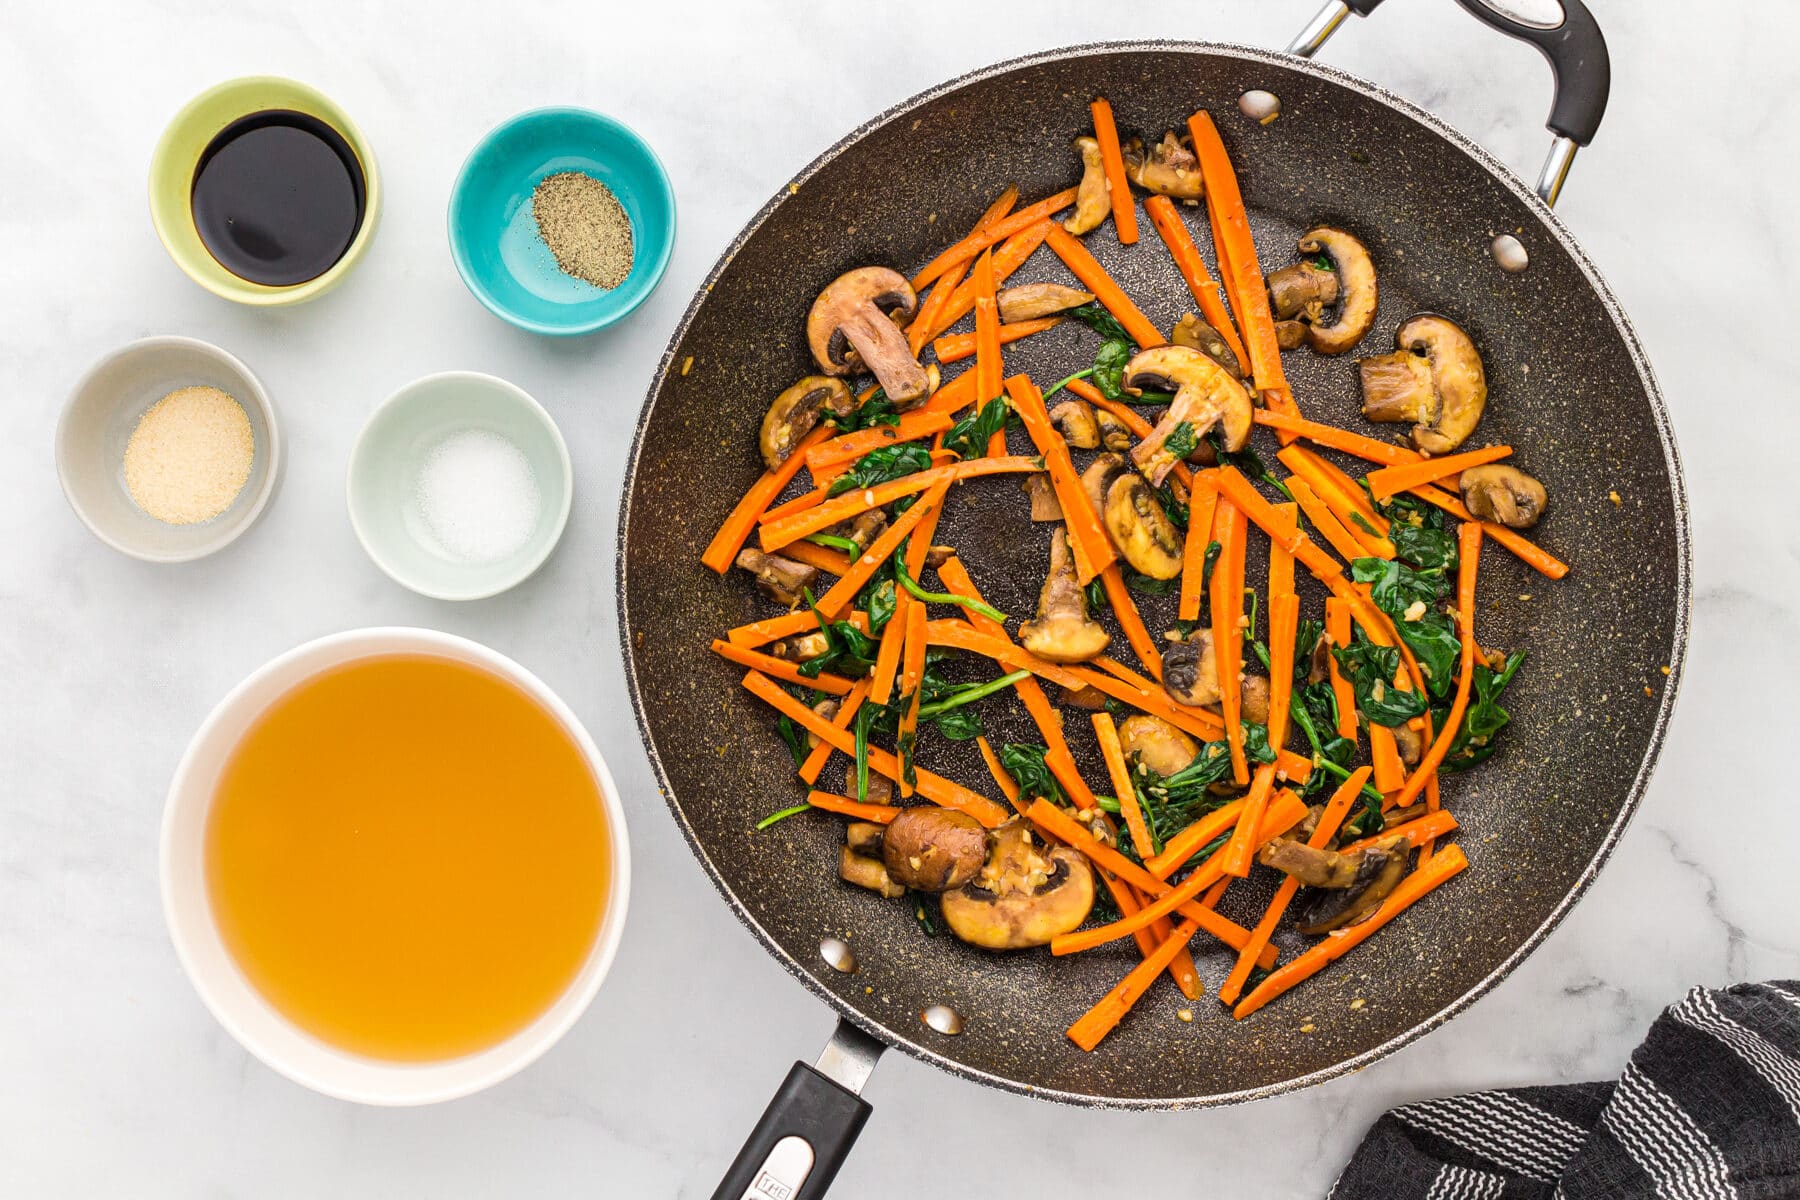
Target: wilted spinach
876, 410
1025, 763
969, 436
1475, 741
1371, 670
1410, 599
882, 466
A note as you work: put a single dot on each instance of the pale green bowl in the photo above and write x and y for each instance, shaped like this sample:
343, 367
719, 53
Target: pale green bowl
178, 154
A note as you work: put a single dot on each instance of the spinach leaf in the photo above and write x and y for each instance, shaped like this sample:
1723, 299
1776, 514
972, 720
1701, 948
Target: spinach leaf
961, 724
1248, 463
1475, 742
1181, 440
1097, 600
1177, 511
876, 410
1144, 585
1399, 591
793, 738
1093, 314
1025, 763
1420, 533
1306, 640
877, 597
1371, 670
969, 436
1109, 368
1366, 821
882, 466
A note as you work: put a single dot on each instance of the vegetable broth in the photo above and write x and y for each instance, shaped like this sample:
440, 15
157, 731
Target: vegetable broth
408, 857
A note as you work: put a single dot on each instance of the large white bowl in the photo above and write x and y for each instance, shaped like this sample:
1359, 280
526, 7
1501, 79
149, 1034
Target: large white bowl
239, 1007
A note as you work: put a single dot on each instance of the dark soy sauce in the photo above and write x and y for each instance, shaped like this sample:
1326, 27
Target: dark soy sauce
278, 197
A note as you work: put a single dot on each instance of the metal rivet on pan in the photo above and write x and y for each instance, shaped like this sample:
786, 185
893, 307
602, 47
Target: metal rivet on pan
1260, 106
838, 954
1509, 252
943, 1018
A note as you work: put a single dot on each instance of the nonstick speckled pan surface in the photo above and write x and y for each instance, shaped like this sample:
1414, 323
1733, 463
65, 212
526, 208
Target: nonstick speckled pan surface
1569, 388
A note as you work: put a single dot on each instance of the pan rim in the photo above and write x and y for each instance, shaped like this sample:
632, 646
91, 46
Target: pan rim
1546, 217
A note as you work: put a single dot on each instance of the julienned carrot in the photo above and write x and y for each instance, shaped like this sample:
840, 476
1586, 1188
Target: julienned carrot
1384, 751
843, 593
1329, 821
1281, 560
887, 655
1153, 700
1203, 499
1240, 851
1284, 626
912, 674
1008, 258
1104, 1017
1417, 831
999, 231
960, 635
1114, 755
1094, 278
1107, 134
1287, 811
1071, 832
931, 786
989, 371
1181, 967
919, 332
1237, 254
1233, 486
1323, 519
1337, 628
1441, 866
852, 446
1469, 551
782, 669
722, 551
1092, 548
821, 517
1125, 608
1227, 626
815, 555
1338, 439
1533, 555
1191, 840
882, 814
1343, 497
1388, 480
1175, 235
1008, 787
769, 629
815, 761
954, 347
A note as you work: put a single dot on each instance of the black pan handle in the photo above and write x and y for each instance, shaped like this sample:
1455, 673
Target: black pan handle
1564, 31
809, 1127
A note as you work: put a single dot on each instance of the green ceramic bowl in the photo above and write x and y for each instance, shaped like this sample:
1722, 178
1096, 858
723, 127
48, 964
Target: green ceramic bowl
178, 154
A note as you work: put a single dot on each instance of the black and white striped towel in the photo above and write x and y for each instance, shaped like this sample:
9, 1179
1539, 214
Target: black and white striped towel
1707, 1109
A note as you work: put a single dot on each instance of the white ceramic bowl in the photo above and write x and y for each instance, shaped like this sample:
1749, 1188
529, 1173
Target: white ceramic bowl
98, 420
239, 1007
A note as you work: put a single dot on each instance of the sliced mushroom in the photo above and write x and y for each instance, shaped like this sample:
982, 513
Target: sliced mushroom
1302, 291
1139, 527
937, 556
867, 527
1028, 301
1314, 867
797, 411
1191, 670
1379, 870
1062, 631
1075, 419
1099, 476
881, 788
1196, 334
800, 647
1025, 894
1044, 504
1290, 335
1434, 380
1253, 699
1093, 199
933, 849
859, 862
825, 709
1318, 670
851, 328
1357, 291
1156, 745
1399, 816
780, 579
1113, 434
1409, 742
1505, 494
1169, 169
1206, 396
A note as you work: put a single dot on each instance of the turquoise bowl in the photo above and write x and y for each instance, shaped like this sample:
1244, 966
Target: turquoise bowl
494, 238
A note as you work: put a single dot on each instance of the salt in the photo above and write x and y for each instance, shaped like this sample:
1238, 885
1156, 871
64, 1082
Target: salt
478, 496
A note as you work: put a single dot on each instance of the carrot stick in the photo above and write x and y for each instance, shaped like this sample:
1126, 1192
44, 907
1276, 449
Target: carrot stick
1104, 1017
782, 669
1338, 439
931, 786
1202, 502
919, 332
1188, 841
1284, 627
1280, 817
1384, 752
777, 534
1094, 278
1469, 550
1343, 497
1068, 830
1388, 480
883, 814
1107, 134
1181, 967
1416, 832
962, 636
852, 446
1237, 253
1008, 787
1175, 236
721, 552
1146, 695
815, 555
1428, 875
1093, 549
912, 673
815, 760
1238, 852
1323, 519
1337, 628
954, 347
999, 231
888, 653
1281, 560
1227, 626
1125, 608
1008, 258
843, 593
761, 633
1123, 788
1233, 486
1329, 822
1533, 556
989, 371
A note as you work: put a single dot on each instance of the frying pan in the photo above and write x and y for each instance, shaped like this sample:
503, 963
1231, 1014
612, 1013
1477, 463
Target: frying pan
1570, 388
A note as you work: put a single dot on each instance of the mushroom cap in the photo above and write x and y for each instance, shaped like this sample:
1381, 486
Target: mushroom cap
1062, 631
851, 328
1156, 745
1206, 397
859, 861
1253, 699
1191, 670
1379, 870
1139, 527
1456, 376
1303, 289
1025, 894
1045, 506
1196, 334
1357, 290
1099, 476
1497, 492
796, 412
1113, 433
1027, 301
934, 849
1075, 420
1093, 198
1169, 169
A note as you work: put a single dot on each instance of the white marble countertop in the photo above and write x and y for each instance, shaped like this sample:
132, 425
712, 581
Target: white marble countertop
117, 1080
